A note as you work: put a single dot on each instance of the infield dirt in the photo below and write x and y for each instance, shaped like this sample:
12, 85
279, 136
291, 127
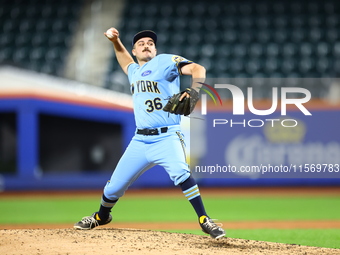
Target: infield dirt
133, 241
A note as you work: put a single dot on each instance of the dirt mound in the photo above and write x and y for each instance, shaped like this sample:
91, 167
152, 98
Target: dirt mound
133, 241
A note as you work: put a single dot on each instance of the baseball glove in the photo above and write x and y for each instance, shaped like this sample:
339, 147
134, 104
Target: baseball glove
184, 107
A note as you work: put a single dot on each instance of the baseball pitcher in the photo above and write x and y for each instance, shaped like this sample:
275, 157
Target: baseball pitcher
158, 105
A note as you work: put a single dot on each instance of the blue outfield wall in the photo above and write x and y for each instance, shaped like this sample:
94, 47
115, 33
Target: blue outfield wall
27, 111
295, 149
319, 133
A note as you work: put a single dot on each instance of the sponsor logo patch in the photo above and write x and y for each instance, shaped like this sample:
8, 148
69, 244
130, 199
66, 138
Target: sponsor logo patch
145, 73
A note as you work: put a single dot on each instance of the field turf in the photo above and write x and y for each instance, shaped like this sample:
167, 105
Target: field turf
69, 209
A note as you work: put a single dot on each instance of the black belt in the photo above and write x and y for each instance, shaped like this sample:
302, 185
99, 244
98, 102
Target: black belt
154, 131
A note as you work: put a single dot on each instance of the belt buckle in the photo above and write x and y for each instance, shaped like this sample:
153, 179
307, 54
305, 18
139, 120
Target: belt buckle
153, 131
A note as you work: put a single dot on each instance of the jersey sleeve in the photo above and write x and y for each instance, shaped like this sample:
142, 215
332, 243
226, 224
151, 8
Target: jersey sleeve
172, 65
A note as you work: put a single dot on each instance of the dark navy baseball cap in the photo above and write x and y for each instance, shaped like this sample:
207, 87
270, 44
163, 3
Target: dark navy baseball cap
144, 33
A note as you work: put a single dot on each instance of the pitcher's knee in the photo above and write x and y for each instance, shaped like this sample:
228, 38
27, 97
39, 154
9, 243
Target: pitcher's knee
114, 191
180, 178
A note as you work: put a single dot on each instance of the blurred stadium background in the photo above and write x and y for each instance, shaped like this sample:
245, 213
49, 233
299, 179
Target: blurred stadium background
65, 109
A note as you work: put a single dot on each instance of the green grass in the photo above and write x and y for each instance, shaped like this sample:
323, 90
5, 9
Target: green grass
328, 238
64, 210
235, 209
16, 210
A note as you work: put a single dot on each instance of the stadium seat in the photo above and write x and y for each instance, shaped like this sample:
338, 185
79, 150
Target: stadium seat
229, 36
306, 65
278, 8
227, 23
221, 65
214, 9
224, 50
245, 38
256, 50
151, 11
261, 22
6, 54
37, 32
332, 35
208, 50
336, 50
166, 10
261, 8
22, 39
191, 52
322, 49
199, 9
193, 38
288, 65
280, 22
239, 50
298, 35
271, 65
8, 39
182, 10
245, 8
253, 66
237, 65
21, 56
263, 36
272, 50
38, 54
40, 39
306, 49
332, 21
27, 26
289, 49
323, 65
163, 25
246, 22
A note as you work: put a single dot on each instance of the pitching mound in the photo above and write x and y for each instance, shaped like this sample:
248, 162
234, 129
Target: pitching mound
132, 241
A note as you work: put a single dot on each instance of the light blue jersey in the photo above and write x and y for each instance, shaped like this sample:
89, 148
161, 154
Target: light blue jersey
151, 86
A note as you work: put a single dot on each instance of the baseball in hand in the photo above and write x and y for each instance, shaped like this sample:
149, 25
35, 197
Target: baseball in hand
109, 34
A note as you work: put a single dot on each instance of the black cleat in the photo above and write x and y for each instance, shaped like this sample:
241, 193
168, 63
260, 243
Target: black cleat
211, 228
91, 222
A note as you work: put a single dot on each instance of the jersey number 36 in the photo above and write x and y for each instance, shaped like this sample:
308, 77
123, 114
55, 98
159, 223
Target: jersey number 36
154, 104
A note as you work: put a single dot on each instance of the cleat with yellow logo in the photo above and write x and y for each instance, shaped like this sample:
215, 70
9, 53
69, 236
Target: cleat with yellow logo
91, 222
210, 227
